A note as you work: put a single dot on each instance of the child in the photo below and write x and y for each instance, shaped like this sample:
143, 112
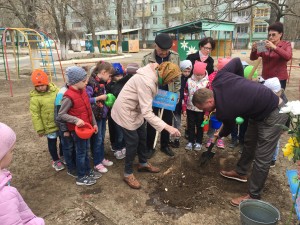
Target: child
195, 117
42, 113
76, 110
115, 131
13, 209
97, 81
185, 67
66, 139
221, 63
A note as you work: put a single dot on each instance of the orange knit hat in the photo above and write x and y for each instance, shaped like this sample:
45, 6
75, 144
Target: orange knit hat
39, 77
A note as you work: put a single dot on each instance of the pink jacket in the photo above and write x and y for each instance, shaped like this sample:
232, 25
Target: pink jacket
13, 209
134, 103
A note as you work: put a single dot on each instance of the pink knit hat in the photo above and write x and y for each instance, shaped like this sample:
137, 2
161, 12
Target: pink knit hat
199, 68
222, 62
7, 139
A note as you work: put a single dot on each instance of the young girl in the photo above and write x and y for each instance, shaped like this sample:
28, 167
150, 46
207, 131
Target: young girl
185, 67
97, 81
41, 107
13, 209
195, 117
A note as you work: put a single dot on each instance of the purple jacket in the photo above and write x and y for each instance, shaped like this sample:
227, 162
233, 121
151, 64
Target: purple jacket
13, 209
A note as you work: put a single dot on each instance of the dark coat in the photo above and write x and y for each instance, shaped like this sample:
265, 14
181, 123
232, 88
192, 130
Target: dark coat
210, 61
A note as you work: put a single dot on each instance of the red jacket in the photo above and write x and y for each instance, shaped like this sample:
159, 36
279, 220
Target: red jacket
81, 106
275, 61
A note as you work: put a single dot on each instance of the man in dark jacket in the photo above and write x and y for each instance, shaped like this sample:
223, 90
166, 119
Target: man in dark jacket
234, 96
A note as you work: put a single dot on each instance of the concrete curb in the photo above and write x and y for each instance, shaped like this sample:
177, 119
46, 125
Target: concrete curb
93, 60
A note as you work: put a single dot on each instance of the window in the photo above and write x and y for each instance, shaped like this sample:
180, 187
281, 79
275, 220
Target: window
140, 7
125, 22
262, 13
243, 13
174, 3
154, 34
154, 9
242, 29
124, 11
115, 12
76, 25
154, 20
260, 28
163, 6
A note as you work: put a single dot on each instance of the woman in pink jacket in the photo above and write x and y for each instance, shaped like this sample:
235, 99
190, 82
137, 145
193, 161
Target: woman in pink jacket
13, 209
133, 106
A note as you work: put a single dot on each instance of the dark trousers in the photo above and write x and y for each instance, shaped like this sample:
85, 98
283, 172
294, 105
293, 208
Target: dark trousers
164, 136
68, 149
111, 130
52, 147
260, 143
115, 134
135, 141
239, 134
195, 120
283, 84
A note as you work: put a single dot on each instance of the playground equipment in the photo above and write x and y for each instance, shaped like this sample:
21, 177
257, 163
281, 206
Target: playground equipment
39, 49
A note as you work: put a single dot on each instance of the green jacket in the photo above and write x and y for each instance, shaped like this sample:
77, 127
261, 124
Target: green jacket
174, 58
42, 110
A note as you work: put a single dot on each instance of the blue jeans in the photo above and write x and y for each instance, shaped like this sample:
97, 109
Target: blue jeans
68, 149
82, 159
97, 142
276, 151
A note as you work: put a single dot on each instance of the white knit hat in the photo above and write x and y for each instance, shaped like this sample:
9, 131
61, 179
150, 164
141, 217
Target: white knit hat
185, 64
273, 83
7, 139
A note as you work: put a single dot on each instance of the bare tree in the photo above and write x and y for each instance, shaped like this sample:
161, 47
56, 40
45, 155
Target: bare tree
58, 10
119, 24
93, 13
25, 11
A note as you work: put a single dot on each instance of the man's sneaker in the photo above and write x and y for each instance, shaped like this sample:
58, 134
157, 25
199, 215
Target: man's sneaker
57, 165
106, 162
234, 175
189, 146
95, 174
208, 142
220, 144
86, 180
233, 144
197, 147
100, 168
124, 151
119, 154
72, 174
273, 163
62, 159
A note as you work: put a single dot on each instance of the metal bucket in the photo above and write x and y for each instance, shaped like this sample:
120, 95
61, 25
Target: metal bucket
256, 212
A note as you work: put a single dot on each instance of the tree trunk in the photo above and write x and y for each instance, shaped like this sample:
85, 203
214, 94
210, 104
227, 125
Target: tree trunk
143, 25
275, 15
119, 23
167, 13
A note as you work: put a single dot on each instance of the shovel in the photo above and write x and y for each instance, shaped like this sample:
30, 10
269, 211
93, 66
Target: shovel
208, 155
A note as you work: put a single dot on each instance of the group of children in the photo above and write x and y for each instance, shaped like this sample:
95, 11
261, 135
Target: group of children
195, 117
56, 112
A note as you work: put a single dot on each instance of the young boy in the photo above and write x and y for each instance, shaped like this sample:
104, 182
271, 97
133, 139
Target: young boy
76, 110
185, 67
115, 131
195, 117
42, 113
